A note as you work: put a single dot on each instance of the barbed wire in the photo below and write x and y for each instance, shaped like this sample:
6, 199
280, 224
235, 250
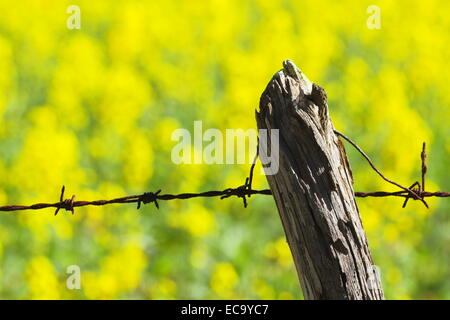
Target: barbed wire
416, 191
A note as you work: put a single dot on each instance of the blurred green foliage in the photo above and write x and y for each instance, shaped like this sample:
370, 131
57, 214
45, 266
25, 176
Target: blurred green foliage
95, 108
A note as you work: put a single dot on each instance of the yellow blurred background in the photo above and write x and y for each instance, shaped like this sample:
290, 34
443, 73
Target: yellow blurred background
94, 109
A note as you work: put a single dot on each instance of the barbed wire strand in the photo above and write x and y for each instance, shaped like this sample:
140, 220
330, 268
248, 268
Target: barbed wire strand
415, 192
411, 192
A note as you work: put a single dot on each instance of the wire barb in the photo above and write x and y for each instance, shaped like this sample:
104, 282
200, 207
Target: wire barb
250, 176
246, 189
420, 187
423, 157
240, 192
149, 197
66, 204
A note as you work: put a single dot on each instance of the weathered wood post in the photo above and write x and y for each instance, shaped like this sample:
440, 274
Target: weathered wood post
314, 194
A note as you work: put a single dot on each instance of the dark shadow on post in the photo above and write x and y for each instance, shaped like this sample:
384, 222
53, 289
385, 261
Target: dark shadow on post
314, 194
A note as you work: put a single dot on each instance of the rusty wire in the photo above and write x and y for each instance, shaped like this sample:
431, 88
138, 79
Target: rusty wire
416, 191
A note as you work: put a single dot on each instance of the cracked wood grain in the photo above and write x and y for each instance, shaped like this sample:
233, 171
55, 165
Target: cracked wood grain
314, 194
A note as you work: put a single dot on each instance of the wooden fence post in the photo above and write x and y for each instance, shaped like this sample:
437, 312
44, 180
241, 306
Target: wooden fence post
314, 194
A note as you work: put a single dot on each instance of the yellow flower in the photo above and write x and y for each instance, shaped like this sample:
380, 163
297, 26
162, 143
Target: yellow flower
224, 280
263, 290
41, 279
115, 277
279, 250
164, 289
196, 219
